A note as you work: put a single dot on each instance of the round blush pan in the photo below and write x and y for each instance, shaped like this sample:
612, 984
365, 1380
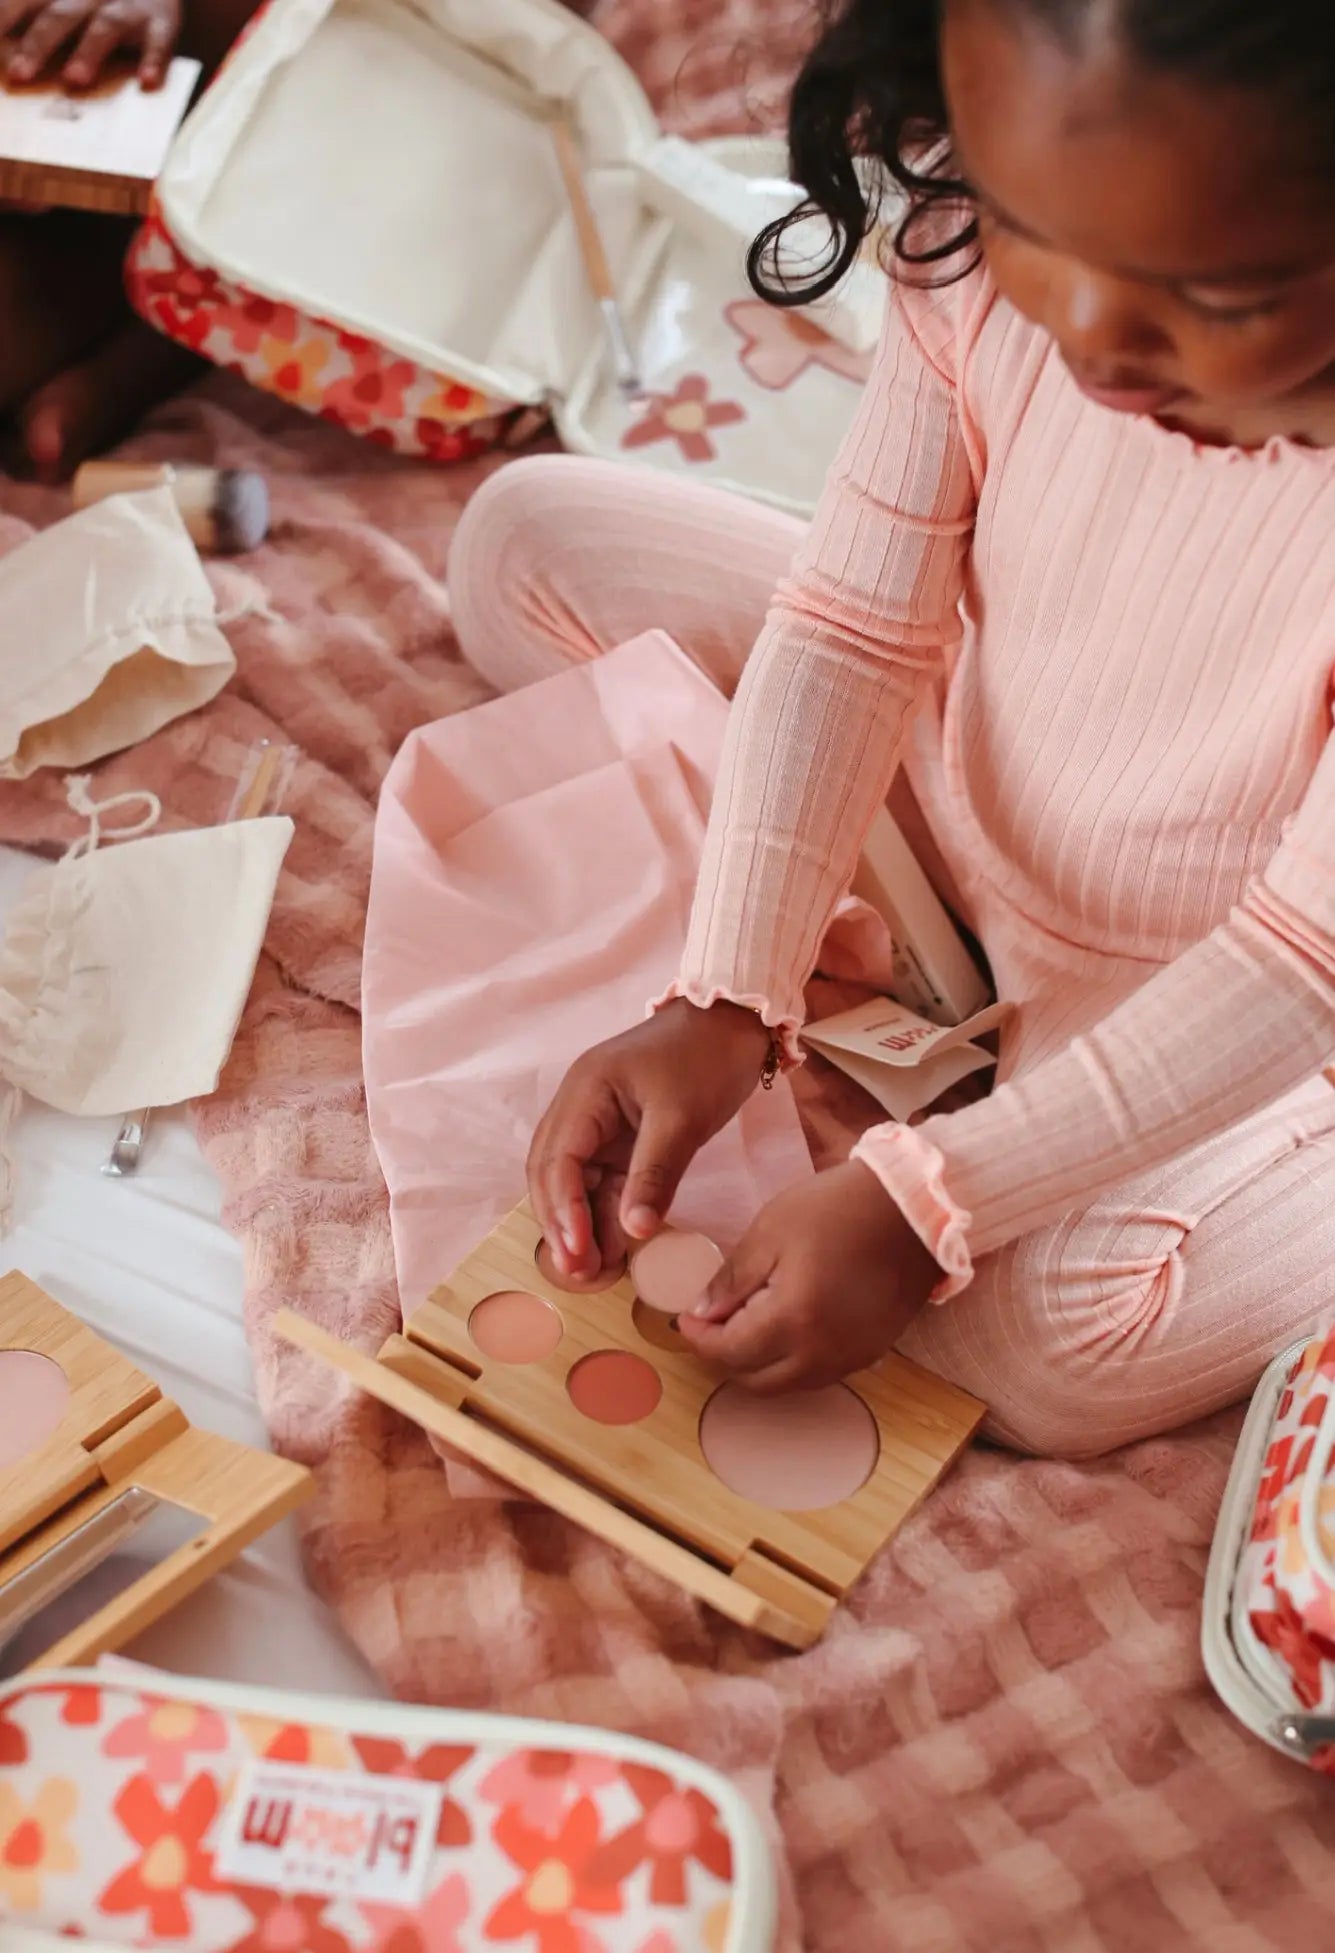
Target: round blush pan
34, 1395
672, 1271
571, 1284
613, 1386
792, 1454
515, 1327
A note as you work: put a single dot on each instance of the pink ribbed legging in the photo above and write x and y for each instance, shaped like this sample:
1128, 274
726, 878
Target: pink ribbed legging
1147, 1308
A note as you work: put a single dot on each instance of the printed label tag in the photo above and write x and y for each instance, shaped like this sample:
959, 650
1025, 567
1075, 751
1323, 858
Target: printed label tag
301, 1830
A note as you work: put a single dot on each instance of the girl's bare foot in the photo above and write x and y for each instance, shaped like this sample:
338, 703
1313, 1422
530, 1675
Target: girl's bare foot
77, 368
101, 397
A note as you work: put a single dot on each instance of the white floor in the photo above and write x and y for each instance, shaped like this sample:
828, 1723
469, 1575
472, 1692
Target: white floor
147, 1263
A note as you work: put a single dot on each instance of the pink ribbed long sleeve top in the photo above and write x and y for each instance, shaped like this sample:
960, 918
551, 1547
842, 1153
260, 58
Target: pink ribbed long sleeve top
1105, 655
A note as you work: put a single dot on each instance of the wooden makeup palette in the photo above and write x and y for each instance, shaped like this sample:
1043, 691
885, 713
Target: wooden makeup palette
593, 1403
90, 1453
99, 148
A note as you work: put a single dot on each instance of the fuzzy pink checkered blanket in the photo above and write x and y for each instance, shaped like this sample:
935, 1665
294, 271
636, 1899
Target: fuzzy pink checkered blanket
1006, 1743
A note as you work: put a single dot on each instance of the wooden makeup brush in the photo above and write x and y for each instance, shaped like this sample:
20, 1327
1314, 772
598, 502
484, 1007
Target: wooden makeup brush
226, 510
593, 252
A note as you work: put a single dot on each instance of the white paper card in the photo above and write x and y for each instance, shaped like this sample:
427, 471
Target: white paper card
117, 128
295, 1829
904, 1061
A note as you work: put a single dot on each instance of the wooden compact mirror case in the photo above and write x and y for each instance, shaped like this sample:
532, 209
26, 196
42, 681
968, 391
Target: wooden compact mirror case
97, 148
640, 1478
90, 1451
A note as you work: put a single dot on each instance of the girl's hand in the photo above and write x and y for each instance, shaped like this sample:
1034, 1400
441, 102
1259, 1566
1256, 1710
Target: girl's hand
824, 1283
98, 29
628, 1120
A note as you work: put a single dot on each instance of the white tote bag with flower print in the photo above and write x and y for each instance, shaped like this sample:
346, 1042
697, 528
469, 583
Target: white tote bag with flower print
365, 214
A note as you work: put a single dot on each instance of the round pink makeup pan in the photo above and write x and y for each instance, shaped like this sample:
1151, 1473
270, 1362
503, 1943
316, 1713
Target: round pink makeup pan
513, 1326
574, 1284
672, 1271
614, 1386
792, 1454
34, 1396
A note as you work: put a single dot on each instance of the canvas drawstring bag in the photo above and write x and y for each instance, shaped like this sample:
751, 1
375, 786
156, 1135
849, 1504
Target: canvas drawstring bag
110, 632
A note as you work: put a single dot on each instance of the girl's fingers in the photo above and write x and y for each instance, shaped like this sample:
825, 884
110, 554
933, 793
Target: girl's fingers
607, 1218
48, 33
581, 1123
159, 42
99, 41
663, 1151
557, 1189
14, 14
747, 1269
749, 1342
573, 1214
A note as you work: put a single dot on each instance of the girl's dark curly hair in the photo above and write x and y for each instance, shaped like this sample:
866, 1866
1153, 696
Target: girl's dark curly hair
869, 104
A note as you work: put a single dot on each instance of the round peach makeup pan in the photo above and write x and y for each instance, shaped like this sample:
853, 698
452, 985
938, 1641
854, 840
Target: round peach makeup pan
34, 1396
515, 1327
793, 1454
614, 1386
672, 1271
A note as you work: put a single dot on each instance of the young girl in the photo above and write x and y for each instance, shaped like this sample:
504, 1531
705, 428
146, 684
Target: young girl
1074, 571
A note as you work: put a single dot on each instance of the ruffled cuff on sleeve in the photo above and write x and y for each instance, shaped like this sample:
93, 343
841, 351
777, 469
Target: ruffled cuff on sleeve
912, 1172
786, 1029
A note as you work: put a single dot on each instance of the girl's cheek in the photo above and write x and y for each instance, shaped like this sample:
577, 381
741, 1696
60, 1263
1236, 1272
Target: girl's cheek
1021, 275
1247, 367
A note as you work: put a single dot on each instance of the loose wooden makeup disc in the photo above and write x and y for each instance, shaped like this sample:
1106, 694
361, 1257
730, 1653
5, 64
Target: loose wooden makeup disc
672, 1271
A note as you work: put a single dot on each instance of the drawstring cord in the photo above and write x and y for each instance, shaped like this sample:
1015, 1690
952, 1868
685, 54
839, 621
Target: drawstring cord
78, 795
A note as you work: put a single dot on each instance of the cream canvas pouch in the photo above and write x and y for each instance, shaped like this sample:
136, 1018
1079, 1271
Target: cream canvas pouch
124, 971
108, 631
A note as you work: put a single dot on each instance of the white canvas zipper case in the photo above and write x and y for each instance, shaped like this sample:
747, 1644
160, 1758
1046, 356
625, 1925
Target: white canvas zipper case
388, 168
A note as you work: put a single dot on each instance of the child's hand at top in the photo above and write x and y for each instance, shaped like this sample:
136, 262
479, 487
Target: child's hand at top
149, 29
628, 1120
824, 1283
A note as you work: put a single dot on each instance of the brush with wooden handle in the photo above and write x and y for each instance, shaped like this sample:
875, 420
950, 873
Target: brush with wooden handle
226, 510
594, 253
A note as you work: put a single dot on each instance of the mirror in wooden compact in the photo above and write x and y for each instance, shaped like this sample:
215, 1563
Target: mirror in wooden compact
112, 1507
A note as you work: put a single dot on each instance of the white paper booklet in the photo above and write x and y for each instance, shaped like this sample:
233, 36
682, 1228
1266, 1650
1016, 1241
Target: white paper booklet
904, 1061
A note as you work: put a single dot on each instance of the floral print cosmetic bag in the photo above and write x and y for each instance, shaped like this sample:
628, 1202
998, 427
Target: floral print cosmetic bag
139, 1810
1268, 1633
365, 215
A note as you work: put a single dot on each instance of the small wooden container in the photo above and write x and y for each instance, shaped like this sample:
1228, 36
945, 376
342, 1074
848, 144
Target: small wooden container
99, 148
111, 1451
646, 1486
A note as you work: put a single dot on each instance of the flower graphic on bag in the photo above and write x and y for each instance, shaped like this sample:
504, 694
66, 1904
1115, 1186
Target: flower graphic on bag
779, 347
33, 1843
165, 1734
172, 1860
675, 1827
685, 417
557, 1886
539, 1785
